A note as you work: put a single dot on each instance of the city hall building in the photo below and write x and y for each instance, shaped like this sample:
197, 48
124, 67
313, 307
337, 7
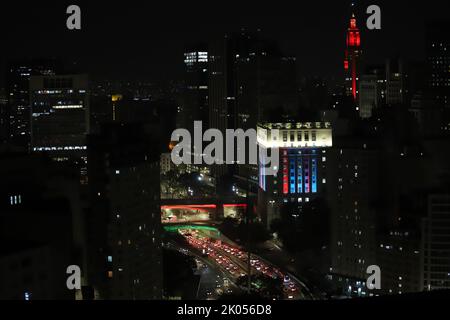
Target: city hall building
301, 174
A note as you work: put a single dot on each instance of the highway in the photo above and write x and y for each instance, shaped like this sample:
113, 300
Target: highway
233, 261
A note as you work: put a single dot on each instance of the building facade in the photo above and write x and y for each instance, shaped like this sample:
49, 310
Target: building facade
125, 222
435, 262
301, 173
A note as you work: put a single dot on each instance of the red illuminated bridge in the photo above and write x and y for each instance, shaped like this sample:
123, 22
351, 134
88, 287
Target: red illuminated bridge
185, 211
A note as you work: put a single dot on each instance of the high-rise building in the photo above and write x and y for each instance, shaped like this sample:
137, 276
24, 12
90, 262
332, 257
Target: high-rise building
195, 93
438, 61
398, 256
60, 118
352, 59
301, 174
395, 82
19, 109
435, 262
125, 235
41, 227
371, 92
428, 114
250, 81
438, 65
353, 184
60, 114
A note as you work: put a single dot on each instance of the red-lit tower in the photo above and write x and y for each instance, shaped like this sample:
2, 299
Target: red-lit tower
351, 62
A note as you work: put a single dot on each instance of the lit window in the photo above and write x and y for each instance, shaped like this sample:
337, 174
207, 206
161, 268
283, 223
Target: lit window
15, 200
110, 274
109, 258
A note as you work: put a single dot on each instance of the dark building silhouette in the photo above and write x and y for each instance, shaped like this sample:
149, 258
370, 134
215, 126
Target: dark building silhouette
41, 227
250, 81
435, 246
125, 223
353, 185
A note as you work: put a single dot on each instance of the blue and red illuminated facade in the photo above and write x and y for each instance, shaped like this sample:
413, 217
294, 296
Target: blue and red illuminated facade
300, 171
301, 175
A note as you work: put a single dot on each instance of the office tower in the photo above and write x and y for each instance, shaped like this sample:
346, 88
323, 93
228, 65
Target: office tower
438, 61
41, 227
60, 114
395, 82
195, 91
250, 80
125, 221
194, 97
438, 65
353, 184
301, 175
18, 111
372, 90
428, 114
352, 59
435, 263
398, 256
250, 77
60, 117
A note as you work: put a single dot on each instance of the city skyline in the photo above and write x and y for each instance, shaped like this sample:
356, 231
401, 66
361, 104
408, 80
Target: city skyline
108, 34
224, 152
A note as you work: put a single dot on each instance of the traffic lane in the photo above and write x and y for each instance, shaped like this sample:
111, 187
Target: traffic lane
221, 250
222, 272
257, 266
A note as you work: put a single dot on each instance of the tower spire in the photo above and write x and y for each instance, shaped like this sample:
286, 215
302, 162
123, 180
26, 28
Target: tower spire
352, 53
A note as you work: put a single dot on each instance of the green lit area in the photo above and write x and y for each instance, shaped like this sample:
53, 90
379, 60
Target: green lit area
190, 227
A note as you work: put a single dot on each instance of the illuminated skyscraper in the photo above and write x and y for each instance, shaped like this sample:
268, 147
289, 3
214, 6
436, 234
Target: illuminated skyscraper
195, 93
301, 173
60, 114
18, 112
352, 57
438, 65
438, 61
60, 117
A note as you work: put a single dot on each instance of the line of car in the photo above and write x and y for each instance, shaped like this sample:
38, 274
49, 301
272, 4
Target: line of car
234, 261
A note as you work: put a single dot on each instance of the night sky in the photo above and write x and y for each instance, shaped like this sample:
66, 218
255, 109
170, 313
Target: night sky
145, 40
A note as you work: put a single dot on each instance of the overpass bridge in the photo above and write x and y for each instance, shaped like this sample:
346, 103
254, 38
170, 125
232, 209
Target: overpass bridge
201, 210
